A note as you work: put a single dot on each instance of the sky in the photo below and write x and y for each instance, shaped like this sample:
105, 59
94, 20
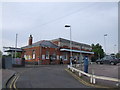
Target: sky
45, 21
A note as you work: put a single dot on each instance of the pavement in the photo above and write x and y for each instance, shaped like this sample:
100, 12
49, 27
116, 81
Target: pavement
111, 71
0, 78
6, 75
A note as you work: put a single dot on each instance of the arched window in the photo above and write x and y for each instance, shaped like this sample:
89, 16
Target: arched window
65, 56
33, 54
47, 54
54, 56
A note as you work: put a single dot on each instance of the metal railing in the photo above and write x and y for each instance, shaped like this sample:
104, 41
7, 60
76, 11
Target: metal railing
91, 76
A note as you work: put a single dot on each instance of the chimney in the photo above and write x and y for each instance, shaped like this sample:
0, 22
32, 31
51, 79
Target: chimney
30, 40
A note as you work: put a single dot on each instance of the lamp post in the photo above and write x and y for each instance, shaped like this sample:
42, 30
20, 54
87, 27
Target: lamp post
105, 42
114, 48
68, 26
16, 45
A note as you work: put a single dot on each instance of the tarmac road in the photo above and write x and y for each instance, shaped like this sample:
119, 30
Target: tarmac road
48, 76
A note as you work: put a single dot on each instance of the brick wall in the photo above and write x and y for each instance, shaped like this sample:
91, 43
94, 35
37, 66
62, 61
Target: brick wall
40, 54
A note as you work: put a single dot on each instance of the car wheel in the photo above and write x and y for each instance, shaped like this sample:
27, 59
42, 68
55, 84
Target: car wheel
99, 63
112, 63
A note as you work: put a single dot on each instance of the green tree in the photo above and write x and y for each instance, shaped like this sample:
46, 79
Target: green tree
18, 54
118, 55
0, 54
98, 52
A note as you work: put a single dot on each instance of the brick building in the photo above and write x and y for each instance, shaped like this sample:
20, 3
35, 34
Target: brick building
52, 51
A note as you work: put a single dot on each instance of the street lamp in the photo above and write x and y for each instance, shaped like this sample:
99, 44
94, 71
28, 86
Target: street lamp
68, 26
105, 42
16, 45
114, 48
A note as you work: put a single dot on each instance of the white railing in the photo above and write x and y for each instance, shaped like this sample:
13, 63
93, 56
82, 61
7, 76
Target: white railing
92, 77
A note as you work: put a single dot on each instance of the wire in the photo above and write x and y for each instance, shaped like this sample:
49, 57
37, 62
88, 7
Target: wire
69, 14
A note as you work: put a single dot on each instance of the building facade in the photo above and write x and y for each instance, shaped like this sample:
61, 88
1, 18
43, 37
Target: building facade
53, 51
79, 50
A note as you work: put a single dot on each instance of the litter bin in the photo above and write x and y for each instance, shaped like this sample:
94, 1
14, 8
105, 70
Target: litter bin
86, 64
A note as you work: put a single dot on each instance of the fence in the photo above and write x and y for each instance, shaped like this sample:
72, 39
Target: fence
92, 77
6, 62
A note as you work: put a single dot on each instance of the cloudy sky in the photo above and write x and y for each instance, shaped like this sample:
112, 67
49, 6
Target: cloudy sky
45, 21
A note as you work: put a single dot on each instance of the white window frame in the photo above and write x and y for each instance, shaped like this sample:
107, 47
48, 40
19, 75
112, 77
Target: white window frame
47, 55
25, 56
43, 57
58, 57
65, 56
33, 54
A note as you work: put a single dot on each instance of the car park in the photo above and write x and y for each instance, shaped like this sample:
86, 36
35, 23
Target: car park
108, 60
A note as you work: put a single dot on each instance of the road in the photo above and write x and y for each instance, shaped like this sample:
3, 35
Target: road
46, 76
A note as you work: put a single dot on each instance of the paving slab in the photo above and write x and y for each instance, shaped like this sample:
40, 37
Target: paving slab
111, 71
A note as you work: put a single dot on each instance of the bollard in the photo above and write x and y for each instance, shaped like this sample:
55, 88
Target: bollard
72, 70
91, 80
68, 66
80, 74
94, 81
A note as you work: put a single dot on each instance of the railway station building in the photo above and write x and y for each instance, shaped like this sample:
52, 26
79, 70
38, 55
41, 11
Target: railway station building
53, 51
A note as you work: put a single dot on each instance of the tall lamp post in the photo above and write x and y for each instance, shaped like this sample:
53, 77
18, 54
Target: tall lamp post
105, 42
16, 45
114, 48
68, 26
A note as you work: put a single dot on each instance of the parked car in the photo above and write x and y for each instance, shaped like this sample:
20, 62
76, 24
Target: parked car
108, 60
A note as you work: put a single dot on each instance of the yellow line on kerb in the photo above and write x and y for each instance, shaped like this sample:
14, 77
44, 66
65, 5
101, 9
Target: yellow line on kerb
14, 82
14, 85
84, 82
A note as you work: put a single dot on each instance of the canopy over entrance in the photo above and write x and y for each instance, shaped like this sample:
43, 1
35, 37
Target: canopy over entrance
77, 51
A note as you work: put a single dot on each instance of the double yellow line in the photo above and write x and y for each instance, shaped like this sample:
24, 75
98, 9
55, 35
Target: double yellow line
13, 82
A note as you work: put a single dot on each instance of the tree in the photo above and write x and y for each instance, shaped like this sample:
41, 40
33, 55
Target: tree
98, 52
0, 54
118, 55
18, 54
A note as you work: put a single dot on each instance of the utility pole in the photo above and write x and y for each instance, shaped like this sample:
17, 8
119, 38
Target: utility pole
16, 44
69, 26
105, 42
114, 48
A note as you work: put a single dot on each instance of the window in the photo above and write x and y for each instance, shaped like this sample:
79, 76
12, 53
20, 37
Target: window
43, 57
47, 54
65, 56
53, 56
25, 56
29, 57
58, 43
57, 57
33, 54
